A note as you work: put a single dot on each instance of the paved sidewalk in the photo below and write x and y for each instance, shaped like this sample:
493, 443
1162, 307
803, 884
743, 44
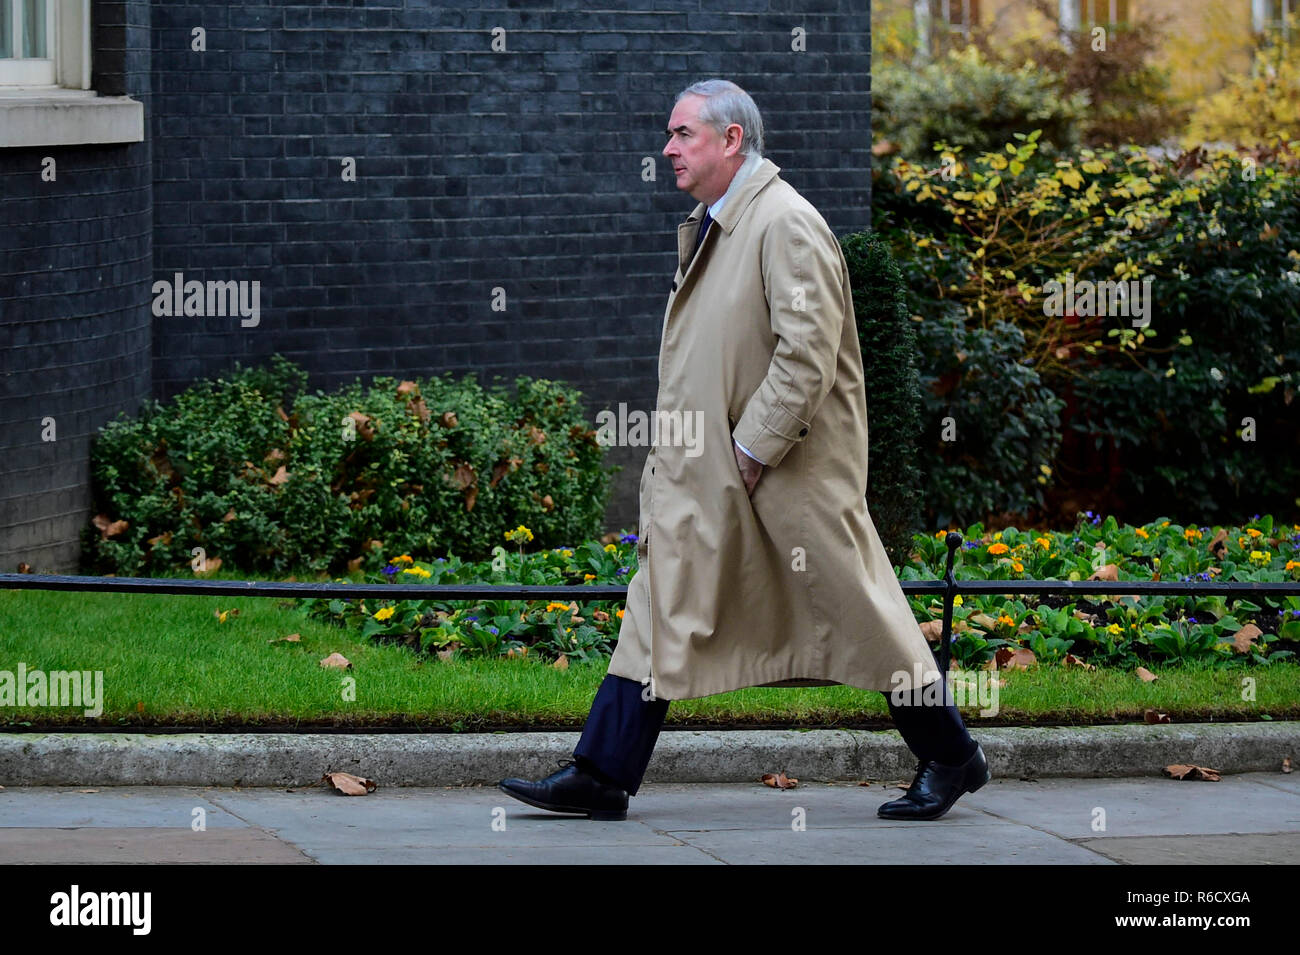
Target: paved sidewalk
1251, 818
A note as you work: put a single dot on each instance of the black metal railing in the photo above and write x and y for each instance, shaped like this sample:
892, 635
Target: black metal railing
948, 586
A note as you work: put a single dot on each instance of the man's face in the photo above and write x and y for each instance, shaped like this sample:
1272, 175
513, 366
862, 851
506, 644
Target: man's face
703, 161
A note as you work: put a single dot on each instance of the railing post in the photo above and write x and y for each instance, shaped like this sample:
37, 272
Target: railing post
953, 540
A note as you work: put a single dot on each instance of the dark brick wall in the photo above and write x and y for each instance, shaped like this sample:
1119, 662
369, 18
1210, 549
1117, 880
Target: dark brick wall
475, 169
76, 260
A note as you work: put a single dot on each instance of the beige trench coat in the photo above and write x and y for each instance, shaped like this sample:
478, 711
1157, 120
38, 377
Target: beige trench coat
792, 585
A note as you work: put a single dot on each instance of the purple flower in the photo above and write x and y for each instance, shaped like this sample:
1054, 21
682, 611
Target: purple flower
622, 570
390, 569
1191, 620
472, 618
493, 630
628, 539
442, 560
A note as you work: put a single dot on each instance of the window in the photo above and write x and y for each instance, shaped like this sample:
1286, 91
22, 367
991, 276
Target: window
1086, 14
44, 44
45, 94
960, 15
1273, 16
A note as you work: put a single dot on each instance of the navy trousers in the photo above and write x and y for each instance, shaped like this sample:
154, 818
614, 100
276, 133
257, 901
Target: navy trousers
622, 728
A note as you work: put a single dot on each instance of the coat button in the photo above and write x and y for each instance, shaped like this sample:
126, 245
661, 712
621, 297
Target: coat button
802, 432
674, 286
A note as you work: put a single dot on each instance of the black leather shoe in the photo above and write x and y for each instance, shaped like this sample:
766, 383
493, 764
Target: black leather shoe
936, 787
569, 789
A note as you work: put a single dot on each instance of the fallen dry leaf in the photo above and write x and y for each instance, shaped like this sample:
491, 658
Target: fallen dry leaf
87, 790
1216, 548
1154, 716
291, 638
1106, 572
1146, 675
364, 427
1186, 771
779, 781
108, 528
223, 615
350, 785
1286, 766
1019, 658
336, 660
1244, 638
561, 662
210, 565
446, 655
1072, 661
932, 630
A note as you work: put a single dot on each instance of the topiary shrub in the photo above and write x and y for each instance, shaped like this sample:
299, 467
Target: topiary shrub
267, 479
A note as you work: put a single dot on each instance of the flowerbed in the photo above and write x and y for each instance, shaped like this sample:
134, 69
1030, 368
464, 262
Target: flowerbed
1119, 631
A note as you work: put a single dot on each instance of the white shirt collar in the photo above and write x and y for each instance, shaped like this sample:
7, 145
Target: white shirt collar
752, 162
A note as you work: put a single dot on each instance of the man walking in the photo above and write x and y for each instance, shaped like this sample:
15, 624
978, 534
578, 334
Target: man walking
759, 564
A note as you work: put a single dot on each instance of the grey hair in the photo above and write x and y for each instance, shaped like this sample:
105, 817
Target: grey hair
726, 103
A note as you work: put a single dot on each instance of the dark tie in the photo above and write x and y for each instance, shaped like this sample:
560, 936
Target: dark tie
704, 227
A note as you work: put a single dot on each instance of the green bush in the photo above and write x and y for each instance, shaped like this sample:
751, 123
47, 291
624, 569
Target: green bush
966, 101
266, 478
893, 399
992, 426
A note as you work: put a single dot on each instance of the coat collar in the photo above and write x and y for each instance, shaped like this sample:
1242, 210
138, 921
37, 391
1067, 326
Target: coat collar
732, 210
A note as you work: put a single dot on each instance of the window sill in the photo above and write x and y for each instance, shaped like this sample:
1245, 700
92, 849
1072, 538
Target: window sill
49, 116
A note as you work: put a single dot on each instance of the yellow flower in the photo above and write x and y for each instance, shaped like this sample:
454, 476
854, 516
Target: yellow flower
556, 605
418, 571
1115, 629
402, 557
1192, 534
588, 576
1043, 542
1142, 533
1165, 524
1253, 532
519, 533
996, 549
1017, 566
956, 600
566, 553
997, 536
610, 548
620, 613
1005, 620
1262, 556
1292, 564
384, 614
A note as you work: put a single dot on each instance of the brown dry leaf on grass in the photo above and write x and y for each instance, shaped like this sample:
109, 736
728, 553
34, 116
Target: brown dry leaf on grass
561, 662
779, 781
1019, 658
1188, 771
291, 638
1146, 675
350, 785
1072, 661
336, 660
1155, 716
1286, 766
223, 615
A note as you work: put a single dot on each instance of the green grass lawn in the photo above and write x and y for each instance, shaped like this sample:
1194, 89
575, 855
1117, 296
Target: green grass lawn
167, 660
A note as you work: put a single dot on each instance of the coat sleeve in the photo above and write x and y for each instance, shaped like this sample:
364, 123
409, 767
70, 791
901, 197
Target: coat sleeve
802, 281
